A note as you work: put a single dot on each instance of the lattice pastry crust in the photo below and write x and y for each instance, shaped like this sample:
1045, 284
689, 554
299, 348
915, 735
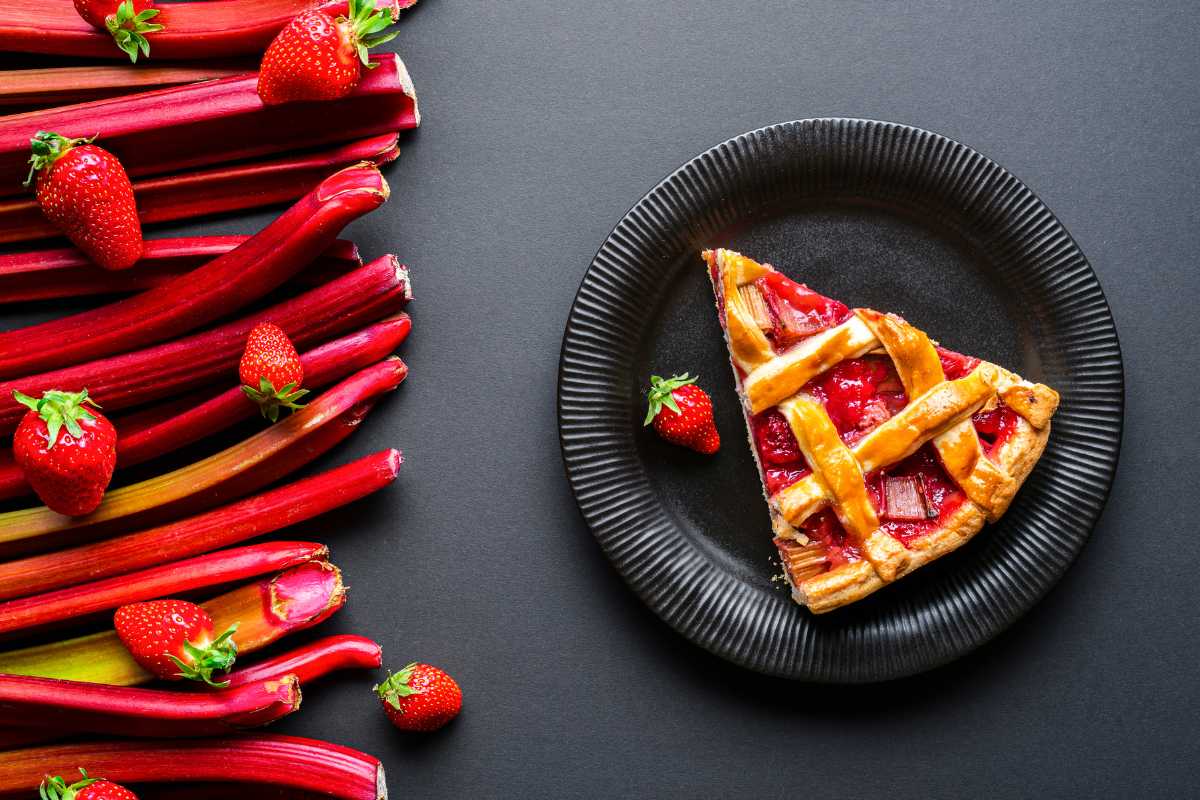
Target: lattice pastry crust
939, 411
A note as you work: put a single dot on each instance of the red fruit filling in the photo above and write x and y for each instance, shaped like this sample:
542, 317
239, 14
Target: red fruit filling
859, 395
797, 312
940, 494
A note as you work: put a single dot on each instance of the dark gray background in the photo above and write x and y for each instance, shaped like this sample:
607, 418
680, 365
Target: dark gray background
544, 122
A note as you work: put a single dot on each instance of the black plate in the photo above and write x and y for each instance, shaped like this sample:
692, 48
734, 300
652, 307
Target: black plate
874, 214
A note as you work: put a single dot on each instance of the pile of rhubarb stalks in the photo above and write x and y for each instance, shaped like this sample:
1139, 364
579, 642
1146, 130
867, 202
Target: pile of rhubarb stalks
159, 353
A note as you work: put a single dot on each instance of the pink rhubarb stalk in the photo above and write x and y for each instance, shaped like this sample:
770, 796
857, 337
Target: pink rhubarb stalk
245, 519
225, 284
143, 376
215, 190
164, 429
214, 122
168, 580
265, 612
68, 707
231, 473
57, 86
313, 661
301, 765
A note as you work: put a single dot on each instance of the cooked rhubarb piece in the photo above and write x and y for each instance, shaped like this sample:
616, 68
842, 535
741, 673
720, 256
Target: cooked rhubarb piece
878, 451
218, 189
167, 370
228, 282
304, 765
264, 612
245, 519
170, 131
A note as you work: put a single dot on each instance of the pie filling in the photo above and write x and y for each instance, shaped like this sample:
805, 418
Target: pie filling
912, 498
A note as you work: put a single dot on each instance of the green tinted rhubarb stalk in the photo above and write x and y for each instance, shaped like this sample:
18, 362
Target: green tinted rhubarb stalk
168, 580
247, 465
41, 705
215, 190
169, 369
313, 661
161, 430
66, 272
302, 765
264, 612
225, 284
245, 519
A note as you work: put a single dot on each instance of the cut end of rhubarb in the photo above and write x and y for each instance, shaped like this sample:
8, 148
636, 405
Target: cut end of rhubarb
307, 594
392, 463
406, 85
405, 279
380, 784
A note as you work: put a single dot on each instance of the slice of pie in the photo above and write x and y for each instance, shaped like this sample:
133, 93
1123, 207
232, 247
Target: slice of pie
878, 450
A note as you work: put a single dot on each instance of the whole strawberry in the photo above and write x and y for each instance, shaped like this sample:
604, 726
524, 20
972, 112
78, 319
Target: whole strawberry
69, 469
420, 697
127, 21
86, 788
320, 57
174, 639
83, 191
271, 371
682, 413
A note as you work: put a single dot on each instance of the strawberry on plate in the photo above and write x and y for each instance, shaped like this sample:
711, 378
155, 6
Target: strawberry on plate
66, 450
127, 21
83, 191
271, 371
420, 697
321, 57
173, 639
682, 413
86, 788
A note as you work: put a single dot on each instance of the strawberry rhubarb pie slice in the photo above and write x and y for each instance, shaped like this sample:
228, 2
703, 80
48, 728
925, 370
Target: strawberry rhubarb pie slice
878, 450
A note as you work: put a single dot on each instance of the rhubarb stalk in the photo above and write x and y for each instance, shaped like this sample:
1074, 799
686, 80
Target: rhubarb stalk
56, 86
68, 707
265, 611
164, 429
168, 580
313, 661
303, 765
143, 376
216, 189
231, 281
235, 471
245, 519
172, 130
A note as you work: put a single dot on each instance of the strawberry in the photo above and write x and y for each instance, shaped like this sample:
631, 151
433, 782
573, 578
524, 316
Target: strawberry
320, 57
69, 470
271, 371
174, 639
688, 416
83, 191
420, 698
125, 20
86, 788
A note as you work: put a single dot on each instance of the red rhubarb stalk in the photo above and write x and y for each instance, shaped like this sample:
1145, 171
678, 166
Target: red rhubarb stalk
226, 283
70, 707
56, 86
281, 761
190, 30
265, 612
231, 473
313, 661
161, 430
66, 272
216, 189
143, 376
245, 519
168, 580
172, 130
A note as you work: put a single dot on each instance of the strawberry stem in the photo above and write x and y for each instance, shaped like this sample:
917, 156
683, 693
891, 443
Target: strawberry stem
395, 686
129, 29
270, 399
58, 409
55, 788
47, 148
660, 394
368, 25
217, 655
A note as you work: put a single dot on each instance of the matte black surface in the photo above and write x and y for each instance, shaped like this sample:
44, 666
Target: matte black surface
875, 214
543, 123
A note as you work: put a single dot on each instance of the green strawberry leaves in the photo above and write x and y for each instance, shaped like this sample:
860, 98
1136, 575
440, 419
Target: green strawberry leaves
396, 687
217, 656
129, 29
368, 25
270, 400
55, 788
59, 410
660, 395
48, 147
